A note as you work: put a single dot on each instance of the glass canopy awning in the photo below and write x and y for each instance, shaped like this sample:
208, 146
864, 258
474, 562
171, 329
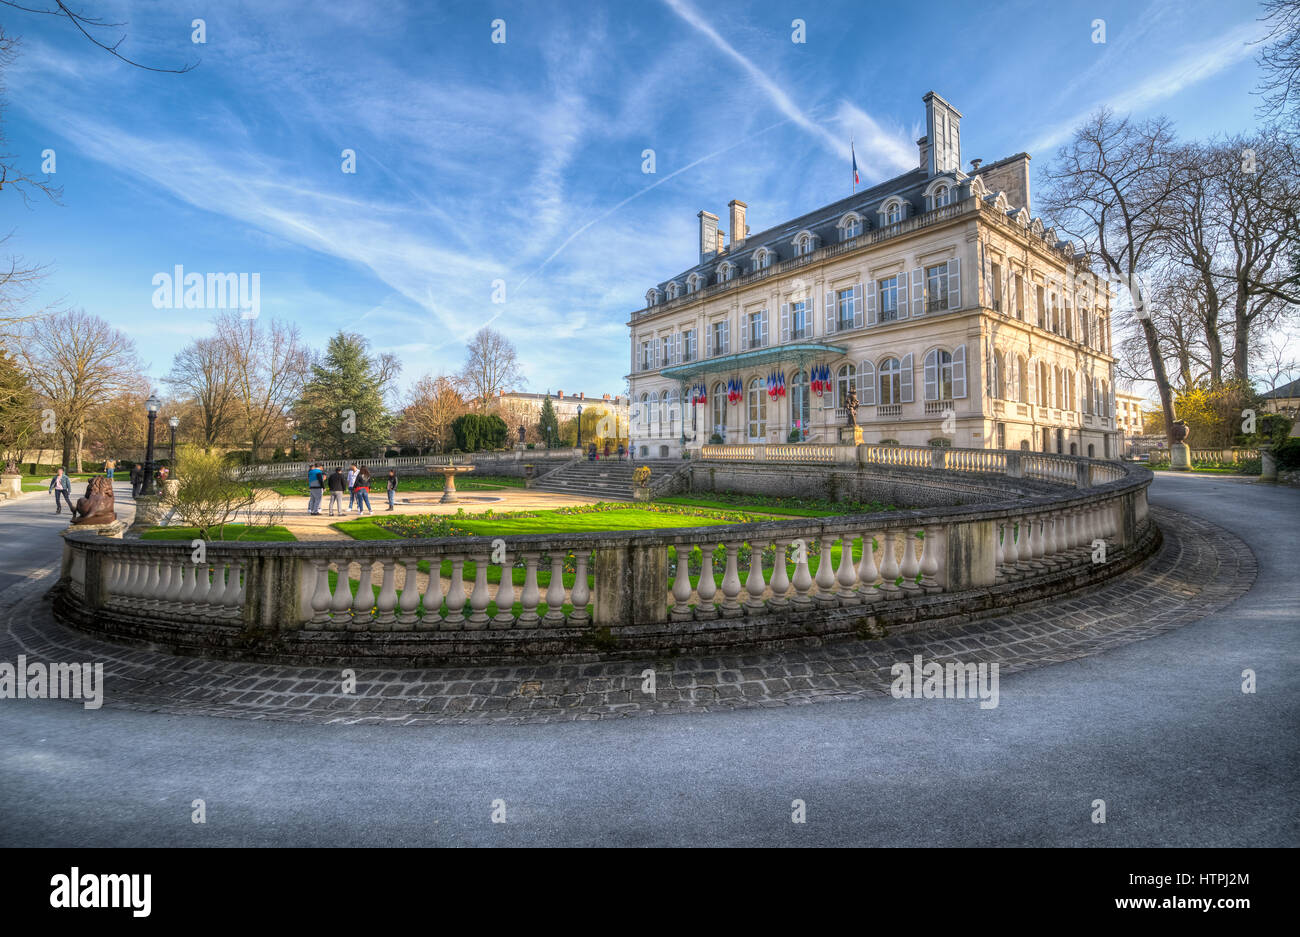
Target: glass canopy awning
798, 354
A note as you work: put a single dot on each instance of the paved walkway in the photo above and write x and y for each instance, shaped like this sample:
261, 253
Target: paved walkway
1089, 708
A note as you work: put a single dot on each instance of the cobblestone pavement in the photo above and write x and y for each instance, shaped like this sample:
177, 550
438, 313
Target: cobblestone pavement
1200, 568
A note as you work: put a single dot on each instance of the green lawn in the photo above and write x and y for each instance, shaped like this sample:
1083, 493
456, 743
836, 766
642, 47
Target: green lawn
407, 483
776, 506
232, 532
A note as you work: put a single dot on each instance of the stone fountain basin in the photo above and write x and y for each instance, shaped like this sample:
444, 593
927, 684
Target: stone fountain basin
449, 472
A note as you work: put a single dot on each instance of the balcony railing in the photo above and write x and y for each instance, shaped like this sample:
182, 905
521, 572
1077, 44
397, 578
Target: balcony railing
938, 406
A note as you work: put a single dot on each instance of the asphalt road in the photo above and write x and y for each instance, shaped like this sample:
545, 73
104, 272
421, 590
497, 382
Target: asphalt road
1160, 730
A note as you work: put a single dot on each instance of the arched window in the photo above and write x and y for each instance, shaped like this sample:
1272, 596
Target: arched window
1090, 450
652, 411
803, 244
726, 271
644, 411
1059, 400
762, 258
673, 289
938, 375
693, 282
1043, 384
718, 405
850, 226
653, 296
892, 211
891, 381
670, 403
1022, 380
800, 402
845, 378
942, 196
757, 410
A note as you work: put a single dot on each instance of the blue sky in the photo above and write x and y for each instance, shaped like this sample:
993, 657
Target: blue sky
522, 161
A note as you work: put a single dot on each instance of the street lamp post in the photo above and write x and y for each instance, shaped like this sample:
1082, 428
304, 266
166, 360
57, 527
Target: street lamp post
579, 426
146, 487
173, 423
293, 454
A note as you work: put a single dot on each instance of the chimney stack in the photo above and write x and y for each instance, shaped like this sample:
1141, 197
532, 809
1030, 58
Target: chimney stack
739, 231
708, 234
559, 394
923, 145
943, 133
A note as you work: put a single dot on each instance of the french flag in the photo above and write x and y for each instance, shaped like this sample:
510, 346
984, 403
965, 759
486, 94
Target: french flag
854, 154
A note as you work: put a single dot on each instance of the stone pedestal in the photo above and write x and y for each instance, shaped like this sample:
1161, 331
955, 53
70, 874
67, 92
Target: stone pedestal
1180, 457
640, 494
1267, 464
851, 435
11, 486
148, 511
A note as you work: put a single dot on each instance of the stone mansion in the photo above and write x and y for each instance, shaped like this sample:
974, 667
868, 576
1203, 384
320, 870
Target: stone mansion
953, 314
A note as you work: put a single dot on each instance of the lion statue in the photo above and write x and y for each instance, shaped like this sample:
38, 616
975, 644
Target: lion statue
97, 506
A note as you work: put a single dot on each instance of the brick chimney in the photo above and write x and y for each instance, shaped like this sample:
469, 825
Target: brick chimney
722, 246
923, 145
708, 234
739, 231
559, 394
606, 396
582, 395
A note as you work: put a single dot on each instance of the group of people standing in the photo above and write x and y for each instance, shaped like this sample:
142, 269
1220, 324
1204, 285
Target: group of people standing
356, 482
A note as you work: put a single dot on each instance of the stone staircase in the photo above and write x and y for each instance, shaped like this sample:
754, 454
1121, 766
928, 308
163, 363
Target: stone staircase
603, 480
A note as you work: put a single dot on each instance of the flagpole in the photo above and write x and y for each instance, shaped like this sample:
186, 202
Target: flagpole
855, 163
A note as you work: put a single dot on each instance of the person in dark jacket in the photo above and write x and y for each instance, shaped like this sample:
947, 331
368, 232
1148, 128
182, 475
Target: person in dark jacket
361, 488
338, 484
392, 487
137, 480
315, 487
61, 486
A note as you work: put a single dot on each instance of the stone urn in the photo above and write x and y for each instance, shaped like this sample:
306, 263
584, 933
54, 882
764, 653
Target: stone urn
11, 481
1180, 455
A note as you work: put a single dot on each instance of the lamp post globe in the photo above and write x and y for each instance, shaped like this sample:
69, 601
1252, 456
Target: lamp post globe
151, 405
173, 423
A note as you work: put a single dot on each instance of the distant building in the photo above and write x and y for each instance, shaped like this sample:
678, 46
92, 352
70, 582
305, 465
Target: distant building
523, 406
955, 317
1128, 419
1284, 400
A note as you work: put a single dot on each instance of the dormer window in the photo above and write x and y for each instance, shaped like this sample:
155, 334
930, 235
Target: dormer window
762, 258
693, 282
726, 271
892, 211
653, 297
942, 196
850, 226
805, 242
674, 289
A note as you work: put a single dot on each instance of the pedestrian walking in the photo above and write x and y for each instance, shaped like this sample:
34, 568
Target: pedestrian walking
61, 486
361, 489
137, 480
620, 452
109, 466
315, 488
352, 490
392, 487
337, 484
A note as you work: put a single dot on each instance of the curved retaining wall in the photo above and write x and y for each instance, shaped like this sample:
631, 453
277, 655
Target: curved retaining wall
623, 593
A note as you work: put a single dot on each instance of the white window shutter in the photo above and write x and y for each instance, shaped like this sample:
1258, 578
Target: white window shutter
871, 303
932, 376
785, 322
867, 384
678, 351
987, 281
857, 305
708, 340
954, 283
918, 291
959, 372
726, 337
744, 331
764, 335
907, 378
1033, 382
901, 293
829, 306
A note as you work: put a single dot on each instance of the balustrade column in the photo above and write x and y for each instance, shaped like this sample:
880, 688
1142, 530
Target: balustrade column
930, 560
706, 588
754, 583
410, 598
456, 595
889, 565
320, 596
847, 575
531, 597
386, 601
825, 597
681, 609
479, 598
911, 567
780, 584
432, 600
364, 600
581, 592
505, 597
731, 584
868, 574
555, 593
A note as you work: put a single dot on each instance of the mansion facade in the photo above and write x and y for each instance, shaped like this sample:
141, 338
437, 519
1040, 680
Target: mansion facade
935, 301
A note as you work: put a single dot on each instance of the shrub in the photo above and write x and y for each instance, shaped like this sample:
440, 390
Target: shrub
238, 457
209, 496
715, 439
391, 454
642, 476
1288, 455
795, 436
475, 432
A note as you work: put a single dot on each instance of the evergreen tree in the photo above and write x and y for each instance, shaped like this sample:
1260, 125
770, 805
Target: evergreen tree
341, 412
549, 425
18, 412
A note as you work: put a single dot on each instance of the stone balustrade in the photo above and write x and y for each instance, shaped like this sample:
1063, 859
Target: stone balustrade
421, 600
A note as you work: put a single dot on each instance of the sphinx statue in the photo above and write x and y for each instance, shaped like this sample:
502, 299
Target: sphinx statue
97, 506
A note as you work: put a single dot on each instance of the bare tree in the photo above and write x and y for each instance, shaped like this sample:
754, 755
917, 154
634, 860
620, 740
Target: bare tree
88, 26
431, 406
1110, 186
1279, 59
77, 362
268, 367
491, 365
202, 372
12, 176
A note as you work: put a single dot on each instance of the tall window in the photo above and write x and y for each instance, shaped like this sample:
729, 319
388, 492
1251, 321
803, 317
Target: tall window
1020, 297
645, 411
845, 379
665, 350
718, 403
754, 326
851, 229
942, 196
652, 411
888, 299
757, 410
942, 389
688, 345
646, 358
800, 401
891, 381
720, 340
844, 312
799, 325
995, 288
1041, 307
936, 288
893, 212
1022, 380
724, 273
805, 245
